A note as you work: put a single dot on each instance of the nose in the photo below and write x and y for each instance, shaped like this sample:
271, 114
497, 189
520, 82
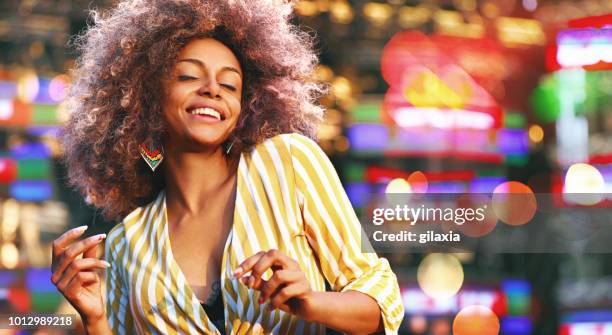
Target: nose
210, 88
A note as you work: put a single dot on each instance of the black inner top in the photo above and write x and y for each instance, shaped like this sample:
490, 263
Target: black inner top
214, 310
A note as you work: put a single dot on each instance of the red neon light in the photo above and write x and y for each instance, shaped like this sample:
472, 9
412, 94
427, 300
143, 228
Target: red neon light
374, 174
591, 21
601, 159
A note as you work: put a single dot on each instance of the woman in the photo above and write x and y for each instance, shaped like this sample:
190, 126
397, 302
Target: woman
191, 120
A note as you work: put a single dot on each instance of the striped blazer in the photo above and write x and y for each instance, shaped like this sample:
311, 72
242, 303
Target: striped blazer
289, 198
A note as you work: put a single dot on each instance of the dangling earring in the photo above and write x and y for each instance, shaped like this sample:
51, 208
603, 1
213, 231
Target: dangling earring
152, 158
229, 148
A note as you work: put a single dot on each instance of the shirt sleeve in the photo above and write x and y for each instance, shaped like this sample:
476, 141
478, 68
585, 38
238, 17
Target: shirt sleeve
117, 307
334, 232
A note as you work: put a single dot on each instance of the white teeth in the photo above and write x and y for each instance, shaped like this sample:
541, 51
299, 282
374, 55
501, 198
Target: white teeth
206, 111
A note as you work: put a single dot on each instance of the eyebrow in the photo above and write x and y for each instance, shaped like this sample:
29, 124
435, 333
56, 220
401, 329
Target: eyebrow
201, 64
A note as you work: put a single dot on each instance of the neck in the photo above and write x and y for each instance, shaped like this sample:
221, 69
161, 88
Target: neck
193, 178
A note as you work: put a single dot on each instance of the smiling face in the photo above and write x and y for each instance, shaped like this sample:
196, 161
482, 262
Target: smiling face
203, 95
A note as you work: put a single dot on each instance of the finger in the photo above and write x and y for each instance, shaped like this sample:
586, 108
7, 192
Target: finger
72, 252
60, 243
93, 251
247, 264
273, 259
77, 283
80, 265
294, 290
280, 278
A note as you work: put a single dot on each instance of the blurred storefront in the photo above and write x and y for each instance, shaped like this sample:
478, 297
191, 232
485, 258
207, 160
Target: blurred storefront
438, 96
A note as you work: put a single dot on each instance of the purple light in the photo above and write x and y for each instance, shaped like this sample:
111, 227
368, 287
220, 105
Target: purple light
30, 150
516, 325
358, 193
31, 190
368, 136
446, 187
512, 141
486, 184
8, 89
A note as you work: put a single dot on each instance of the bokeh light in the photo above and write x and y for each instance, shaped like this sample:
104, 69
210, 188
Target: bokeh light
58, 87
27, 86
9, 255
536, 133
476, 320
480, 204
398, 185
418, 182
440, 276
514, 203
584, 185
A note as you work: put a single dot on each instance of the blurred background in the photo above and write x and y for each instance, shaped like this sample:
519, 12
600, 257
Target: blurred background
457, 95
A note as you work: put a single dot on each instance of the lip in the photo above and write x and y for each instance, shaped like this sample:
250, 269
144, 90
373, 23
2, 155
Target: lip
205, 105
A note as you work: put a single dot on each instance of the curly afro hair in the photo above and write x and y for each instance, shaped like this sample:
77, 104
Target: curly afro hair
114, 101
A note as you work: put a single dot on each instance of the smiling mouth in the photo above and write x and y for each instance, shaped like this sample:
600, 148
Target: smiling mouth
207, 112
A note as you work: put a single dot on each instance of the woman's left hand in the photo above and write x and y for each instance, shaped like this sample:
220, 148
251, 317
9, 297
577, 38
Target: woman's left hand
287, 289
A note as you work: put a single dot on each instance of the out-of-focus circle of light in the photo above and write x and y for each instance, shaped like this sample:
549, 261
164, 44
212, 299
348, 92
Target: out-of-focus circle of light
530, 5
514, 203
341, 12
417, 324
476, 320
480, 204
440, 276
58, 87
398, 185
341, 88
584, 185
27, 86
9, 255
418, 182
536, 133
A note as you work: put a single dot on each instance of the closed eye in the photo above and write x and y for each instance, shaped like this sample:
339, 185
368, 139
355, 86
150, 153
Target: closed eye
229, 87
185, 78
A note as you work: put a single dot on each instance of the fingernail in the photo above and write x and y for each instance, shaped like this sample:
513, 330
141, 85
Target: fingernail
100, 237
106, 264
82, 228
237, 272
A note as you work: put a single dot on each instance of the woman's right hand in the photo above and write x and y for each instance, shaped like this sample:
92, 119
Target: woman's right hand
76, 278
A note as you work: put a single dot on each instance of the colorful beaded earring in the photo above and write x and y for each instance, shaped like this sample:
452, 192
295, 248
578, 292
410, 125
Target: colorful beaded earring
152, 158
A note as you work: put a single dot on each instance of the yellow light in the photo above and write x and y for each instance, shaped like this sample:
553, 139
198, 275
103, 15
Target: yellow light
9, 255
440, 276
490, 10
306, 8
410, 17
512, 31
341, 12
27, 86
328, 131
323, 73
465, 5
341, 88
584, 185
377, 13
398, 185
10, 219
323, 5
341, 144
536, 133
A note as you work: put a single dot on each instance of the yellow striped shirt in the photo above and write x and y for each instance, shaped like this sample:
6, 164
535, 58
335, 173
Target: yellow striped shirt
289, 198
